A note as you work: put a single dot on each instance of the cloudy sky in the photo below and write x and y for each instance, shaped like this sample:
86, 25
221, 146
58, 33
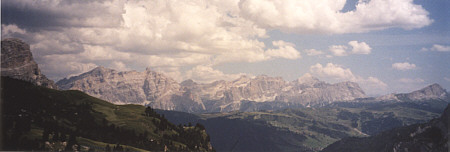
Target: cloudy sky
384, 45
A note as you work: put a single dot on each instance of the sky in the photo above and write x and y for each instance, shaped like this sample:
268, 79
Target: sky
386, 46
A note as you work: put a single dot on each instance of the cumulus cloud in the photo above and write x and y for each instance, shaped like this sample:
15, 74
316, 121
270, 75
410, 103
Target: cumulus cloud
447, 79
403, 66
410, 80
285, 50
371, 85
313, 52
137, 33
206, 74
332, 71
167, 35
12, 29
338, 50
325, 16
437, 47
359, 48
356, 48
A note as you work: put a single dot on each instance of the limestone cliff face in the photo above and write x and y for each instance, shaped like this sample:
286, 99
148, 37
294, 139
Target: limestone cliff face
307, 90
17, 62
159, 91
132, 87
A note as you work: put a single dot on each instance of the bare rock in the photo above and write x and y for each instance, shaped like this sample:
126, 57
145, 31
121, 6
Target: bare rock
17, 62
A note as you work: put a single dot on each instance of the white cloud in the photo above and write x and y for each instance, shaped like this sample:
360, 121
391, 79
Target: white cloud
410, 80
447, 79
332, 71
359, 48
61, 70
206, 74
173, 72
285, 50
168, 35
11, 29
324, 16
313, 52
437, 47
120, 66
371, 85
403, 66
338, 50
140, 34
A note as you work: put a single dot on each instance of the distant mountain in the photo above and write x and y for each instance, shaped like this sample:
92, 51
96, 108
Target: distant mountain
434, 91
131, 87
312, 129
431, 92
273, 92
431, 137
306, 129
244, 94
36, 118
17, 62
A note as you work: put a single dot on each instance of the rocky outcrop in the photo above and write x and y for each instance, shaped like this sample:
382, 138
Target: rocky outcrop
132, 87
17, 62
162, 92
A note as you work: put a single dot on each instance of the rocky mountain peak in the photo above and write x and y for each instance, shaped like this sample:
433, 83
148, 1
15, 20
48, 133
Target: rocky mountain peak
188, 82
434, 91
17, 62
100, 70
162, 92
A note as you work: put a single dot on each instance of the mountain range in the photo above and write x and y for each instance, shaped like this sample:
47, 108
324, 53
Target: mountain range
162, 92
244, 94
313, 128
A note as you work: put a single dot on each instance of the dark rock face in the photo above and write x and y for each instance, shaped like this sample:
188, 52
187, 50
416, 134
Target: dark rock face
17, 62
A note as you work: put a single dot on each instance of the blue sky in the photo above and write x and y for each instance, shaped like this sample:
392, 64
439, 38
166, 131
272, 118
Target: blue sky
384, 45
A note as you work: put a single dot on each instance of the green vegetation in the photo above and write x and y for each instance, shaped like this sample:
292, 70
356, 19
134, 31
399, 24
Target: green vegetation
307, 129
38, 118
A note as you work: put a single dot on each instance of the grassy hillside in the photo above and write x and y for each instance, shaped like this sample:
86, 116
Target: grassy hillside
33, 115
431, 136
306, 129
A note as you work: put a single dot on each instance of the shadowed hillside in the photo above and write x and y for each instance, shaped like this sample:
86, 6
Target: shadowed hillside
38, 118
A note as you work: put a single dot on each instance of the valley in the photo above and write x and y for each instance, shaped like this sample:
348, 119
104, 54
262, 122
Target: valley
308, 129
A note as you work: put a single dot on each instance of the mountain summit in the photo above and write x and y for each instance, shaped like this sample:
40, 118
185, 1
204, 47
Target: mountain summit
162, 92
132, 87
17, 62
434, 91
431, 92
